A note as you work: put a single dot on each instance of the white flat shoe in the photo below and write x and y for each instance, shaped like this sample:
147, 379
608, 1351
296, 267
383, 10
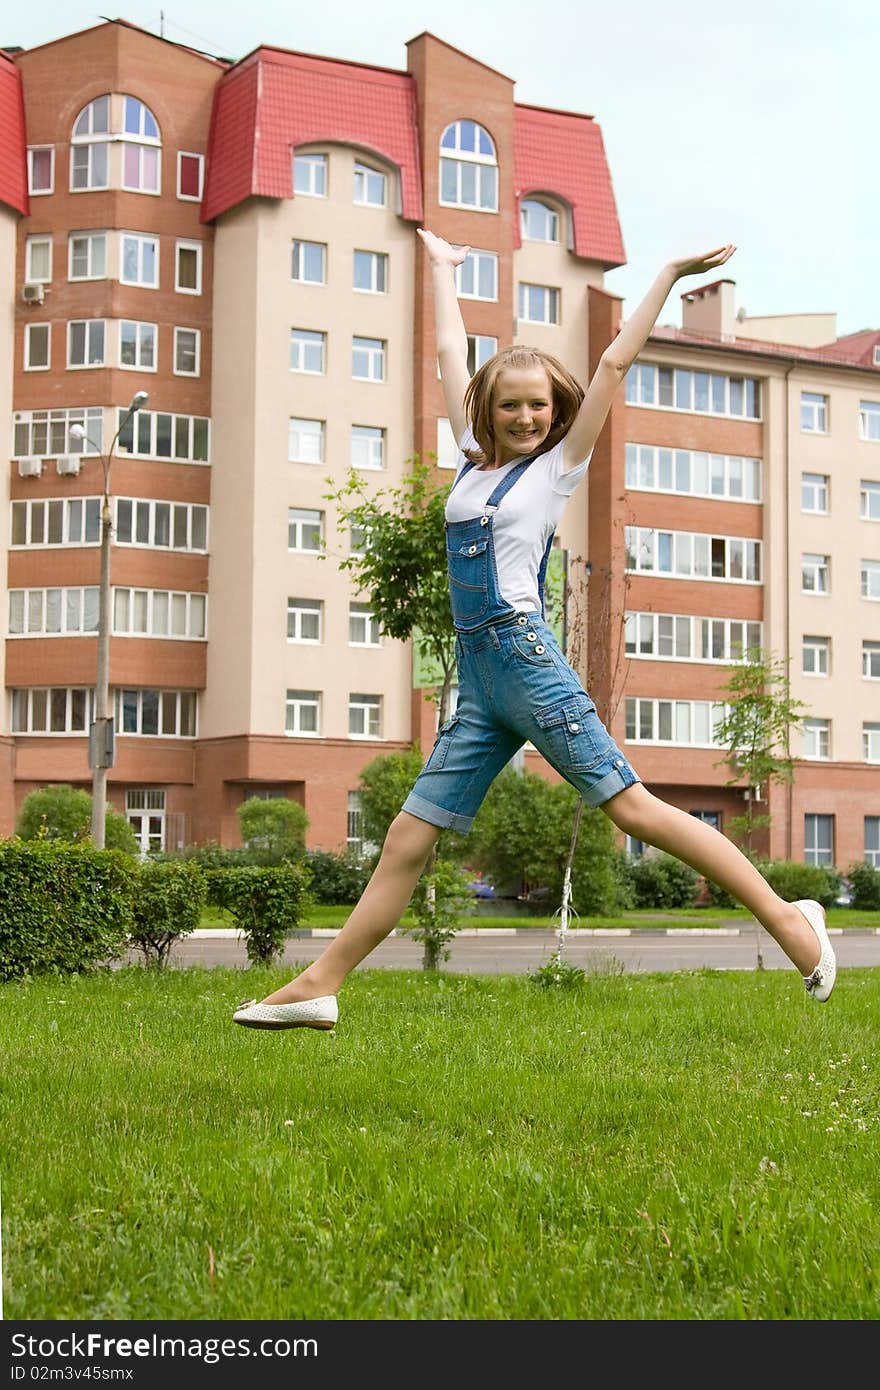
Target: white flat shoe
820, 984
309, 1013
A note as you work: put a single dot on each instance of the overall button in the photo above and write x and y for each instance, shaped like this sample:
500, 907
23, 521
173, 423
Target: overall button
539, 649
484, 521
573, 728
472, 550
619, 762
532, 636
522, 621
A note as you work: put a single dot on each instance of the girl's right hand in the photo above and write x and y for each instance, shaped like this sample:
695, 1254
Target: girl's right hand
441, 252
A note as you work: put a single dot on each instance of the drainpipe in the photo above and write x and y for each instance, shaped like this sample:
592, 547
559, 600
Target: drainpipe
789, 785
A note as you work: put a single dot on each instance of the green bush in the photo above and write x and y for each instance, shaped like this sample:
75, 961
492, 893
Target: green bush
212, 855
267, 904
440, 900
385, 784
63, 907
273, 826
865, 880
662, 881
792, 880
336, 878
168, 902
65, 813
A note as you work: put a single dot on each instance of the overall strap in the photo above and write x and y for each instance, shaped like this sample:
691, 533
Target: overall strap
507, 483
542, 571
467, 468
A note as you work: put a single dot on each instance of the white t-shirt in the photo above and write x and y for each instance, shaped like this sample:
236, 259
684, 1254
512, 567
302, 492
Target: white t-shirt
525, 518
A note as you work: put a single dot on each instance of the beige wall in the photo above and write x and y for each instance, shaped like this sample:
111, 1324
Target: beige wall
844, 697
802, 330
252, 325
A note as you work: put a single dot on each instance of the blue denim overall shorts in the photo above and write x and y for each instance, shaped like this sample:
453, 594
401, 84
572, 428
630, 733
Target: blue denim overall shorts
514, 685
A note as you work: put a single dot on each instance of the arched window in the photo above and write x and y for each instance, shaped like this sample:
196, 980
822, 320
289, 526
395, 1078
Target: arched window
90, 146
538, 221
124, 121
468, 167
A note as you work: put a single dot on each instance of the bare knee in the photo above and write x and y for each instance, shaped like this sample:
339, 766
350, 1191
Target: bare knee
409, 841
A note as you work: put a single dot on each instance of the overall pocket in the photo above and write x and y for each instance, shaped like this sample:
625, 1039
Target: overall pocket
468, 565
576, 736
440, 752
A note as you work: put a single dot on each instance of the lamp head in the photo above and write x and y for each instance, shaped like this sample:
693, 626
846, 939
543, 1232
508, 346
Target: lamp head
138, 399
77, 431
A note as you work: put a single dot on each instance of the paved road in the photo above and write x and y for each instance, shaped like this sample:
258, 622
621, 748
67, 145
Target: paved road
496, 954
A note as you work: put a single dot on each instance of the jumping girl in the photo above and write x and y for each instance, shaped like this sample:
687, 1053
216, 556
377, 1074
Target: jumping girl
526, 431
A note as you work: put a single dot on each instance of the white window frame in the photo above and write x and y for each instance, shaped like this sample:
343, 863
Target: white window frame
301, 242
299, 346
148, 509
142, 241
872, 823
674, 714
189, 197
90, 145
92, 239
870, 658
298, 518
91, 326
297, 433
194, 606
361, 615
318, 167
197, 344
377, 264
77, 601
164, 696
693, 473
644, 389
40, 149
869, 580
143, 149
39, 366
368, 708
471, 269
479, 350
871, 741
815, 489
688, 550
460, 158
297, 610
296, 701
816, 740
814, 413
180, 245
820, 568
139, 365
22, 710
376, 352
655, 636
813, 853
29, 273
815, 657
869, 421
149, 419
869, 499
363, 174
370, 443
551, 216
41, 429
550, 299
447, 444
40, 515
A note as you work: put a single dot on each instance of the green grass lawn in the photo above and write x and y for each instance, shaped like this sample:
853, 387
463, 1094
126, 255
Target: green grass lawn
691, 1146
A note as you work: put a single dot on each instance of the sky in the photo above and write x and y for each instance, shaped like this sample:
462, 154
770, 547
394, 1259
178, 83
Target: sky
748, 124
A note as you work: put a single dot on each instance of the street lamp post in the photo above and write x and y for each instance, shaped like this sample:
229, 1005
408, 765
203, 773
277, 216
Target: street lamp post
101, 742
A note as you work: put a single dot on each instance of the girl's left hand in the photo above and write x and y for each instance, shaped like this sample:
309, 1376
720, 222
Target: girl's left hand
698, 265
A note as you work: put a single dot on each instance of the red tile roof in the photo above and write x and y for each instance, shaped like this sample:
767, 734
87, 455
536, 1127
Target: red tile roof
274, 100
841, 353
559, 152
13, 150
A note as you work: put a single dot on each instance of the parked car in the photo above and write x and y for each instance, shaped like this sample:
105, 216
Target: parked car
481, 888
845, 894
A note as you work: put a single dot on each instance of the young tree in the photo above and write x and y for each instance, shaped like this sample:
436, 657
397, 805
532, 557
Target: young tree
756, 731
274, 826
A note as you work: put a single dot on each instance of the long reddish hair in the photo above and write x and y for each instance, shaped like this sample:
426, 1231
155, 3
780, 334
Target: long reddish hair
566, 394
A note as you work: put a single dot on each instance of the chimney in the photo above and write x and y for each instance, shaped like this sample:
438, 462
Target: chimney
711, 310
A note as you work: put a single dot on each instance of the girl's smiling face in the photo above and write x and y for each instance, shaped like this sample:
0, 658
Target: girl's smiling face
522, 411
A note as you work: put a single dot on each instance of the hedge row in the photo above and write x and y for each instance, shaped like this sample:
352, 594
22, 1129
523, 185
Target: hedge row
71, 908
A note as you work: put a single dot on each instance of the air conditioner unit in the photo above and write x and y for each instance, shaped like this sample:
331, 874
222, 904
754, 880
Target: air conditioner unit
33, 292
68, 463
30, 467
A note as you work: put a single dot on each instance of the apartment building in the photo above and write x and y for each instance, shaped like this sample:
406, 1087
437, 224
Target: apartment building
239, 241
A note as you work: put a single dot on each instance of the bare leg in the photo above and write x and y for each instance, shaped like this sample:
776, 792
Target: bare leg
641, 814
383, 902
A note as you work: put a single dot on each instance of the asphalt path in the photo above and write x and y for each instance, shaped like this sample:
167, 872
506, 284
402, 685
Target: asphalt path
521, 953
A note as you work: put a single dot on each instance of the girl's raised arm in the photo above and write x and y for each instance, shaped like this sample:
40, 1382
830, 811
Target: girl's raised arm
452, 348
620, 354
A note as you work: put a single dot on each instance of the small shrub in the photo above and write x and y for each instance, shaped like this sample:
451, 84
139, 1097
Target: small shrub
63, 907
557, 974
865, 880
273, 826
168, 902
440, 901
267, 904
792, 880
336, 878
662, 881
65, 813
